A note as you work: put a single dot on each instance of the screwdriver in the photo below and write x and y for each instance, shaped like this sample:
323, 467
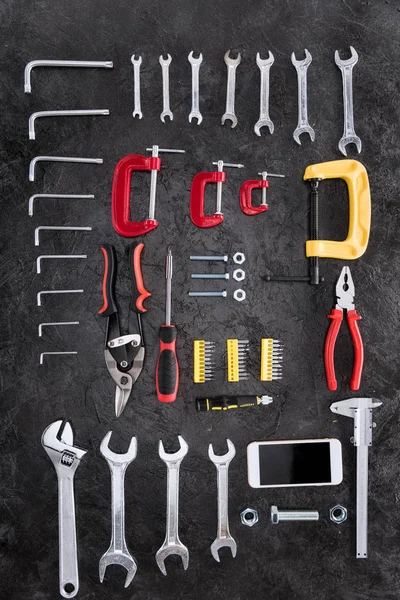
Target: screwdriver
167, 373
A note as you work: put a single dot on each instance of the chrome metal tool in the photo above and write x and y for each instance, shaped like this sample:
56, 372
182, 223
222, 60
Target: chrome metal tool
303, 125
264, 120
136, 62
165, 77
195, 112
349, 135
232, 64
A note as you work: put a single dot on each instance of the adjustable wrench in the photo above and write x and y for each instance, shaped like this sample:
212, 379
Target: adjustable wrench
172, 544
165, 77
303, 126
349, 135
232, 64
195, 112
264, 65
224, 537
118, 553
57, 440
136, 76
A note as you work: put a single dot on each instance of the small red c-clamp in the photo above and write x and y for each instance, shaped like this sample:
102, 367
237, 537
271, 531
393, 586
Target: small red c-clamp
246, 194
197, 192
121, 191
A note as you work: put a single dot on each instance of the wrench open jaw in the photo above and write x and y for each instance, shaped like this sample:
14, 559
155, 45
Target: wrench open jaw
172, 544
224, 538
303, 125
195, 112
232, 64
118, 553
165, 77
349, 135
264, 64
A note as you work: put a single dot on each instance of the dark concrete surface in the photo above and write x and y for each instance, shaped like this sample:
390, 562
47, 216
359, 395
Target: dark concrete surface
296, 561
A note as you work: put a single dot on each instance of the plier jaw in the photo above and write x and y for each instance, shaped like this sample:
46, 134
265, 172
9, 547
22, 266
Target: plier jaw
345, 292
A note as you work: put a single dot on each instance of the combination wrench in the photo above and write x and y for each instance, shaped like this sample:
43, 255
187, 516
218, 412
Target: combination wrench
172, 544
303, 125
195, 112
118, 553
224, 538
165, 77
137, 112
264, 120
232, 64
57, 440
349, 135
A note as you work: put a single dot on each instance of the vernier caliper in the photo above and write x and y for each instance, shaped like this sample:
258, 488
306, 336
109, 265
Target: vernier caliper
360, 409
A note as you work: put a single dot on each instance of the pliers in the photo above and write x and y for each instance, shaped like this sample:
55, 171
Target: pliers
344, 302
124, 354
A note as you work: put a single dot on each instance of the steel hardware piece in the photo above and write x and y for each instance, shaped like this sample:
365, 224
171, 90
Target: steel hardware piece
249, 517
62, 113
232, 64
94, 64
264, 119
43, 354
42, 292
165, 78
338, 514
47, 256
56, 228
136, 62
195, 112
239, 258
349, 135
222, 294
55, 196
68, 159
238, 275
303, 125
292, 515
239, 295
210, 258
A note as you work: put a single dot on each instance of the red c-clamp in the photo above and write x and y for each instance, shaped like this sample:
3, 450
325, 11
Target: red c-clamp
121, 192
197, 192
246, 194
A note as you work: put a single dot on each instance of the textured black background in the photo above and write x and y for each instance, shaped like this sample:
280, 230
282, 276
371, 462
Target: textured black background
296, 561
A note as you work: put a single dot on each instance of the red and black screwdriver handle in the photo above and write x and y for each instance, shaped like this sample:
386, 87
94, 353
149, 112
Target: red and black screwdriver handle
336, 317
167, 372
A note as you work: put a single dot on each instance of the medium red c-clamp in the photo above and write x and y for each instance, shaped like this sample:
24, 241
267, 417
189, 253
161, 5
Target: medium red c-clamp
197, 192
246, 191
121, 191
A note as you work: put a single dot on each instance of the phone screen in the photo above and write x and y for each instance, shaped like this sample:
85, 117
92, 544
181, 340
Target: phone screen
282, 464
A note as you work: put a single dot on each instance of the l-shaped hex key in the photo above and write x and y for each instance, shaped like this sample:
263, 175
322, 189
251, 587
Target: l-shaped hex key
105, 64
63, 113
69, 159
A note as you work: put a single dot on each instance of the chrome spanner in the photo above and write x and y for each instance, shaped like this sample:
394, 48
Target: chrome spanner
232, 64
118, 553
303, 125
172, 544
165, 77
195, 112
349, 135
224, 538
136, 76
264, 120
57, 440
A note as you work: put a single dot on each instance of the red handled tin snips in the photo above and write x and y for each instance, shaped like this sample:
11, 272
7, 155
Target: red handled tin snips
246, 191
344, 302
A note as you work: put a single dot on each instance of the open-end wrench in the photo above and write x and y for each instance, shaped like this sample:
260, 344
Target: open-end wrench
136, 76
349, 135
118, 553
264, 65
303, 125
224, 537
195, 112
231, 64
165, 78
57, 440
172, 544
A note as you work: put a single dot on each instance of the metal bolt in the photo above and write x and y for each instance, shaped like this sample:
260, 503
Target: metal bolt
293, 515
123, 364
223, 258
210, 294
124, 380
210, 275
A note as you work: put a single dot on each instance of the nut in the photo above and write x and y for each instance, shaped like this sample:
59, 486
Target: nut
238, 275
338, 514
239, 295
239, 258
249, 517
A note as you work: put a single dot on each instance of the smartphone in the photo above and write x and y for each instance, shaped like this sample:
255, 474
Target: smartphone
294, 463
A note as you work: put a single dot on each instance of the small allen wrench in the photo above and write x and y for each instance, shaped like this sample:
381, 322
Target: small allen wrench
94, 64
62, 113
56, 228
40, 328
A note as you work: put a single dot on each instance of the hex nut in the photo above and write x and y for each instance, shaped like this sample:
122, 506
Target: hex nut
238, 275
239, 295
239, 258
249, 517
338, 514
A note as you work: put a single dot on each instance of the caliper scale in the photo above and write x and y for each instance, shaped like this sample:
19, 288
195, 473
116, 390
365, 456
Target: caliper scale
360, 409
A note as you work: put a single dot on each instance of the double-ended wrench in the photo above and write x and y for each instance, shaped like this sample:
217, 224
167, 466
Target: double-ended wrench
118, 553
136, 62
172, 544
303, 125
264, 120
195, 112
165, 79
232, 64
349, 135
224, 538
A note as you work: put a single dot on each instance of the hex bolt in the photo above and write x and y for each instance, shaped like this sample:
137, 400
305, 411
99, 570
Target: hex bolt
210, 275
212, 258
292, 515
222, 294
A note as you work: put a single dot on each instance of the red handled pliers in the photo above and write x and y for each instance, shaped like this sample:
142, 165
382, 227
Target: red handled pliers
344, 302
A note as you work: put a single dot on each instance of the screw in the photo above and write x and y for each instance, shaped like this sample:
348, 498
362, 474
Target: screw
204, 294
124, 380
210, 275
293, 515
123, 364
223, 258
